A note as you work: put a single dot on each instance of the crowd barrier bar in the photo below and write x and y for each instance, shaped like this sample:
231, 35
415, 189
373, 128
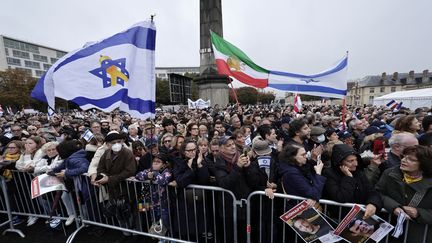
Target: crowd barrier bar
24, 207
95, 216
8, 211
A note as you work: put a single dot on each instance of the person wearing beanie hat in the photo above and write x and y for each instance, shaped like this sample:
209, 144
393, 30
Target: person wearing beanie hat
261, 175
160, 175
347, 182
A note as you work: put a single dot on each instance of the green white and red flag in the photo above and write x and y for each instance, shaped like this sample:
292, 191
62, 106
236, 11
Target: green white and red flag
233, 62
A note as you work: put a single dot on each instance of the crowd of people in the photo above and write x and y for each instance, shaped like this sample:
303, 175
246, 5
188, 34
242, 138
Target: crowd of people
377, 157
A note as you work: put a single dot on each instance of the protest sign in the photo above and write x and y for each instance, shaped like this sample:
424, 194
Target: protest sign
354, 228
309, 224
45, 183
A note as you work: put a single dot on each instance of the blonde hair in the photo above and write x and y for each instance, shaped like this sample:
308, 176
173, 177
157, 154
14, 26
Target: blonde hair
47, 145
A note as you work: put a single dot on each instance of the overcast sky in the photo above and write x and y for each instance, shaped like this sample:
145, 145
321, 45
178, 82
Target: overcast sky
303, 36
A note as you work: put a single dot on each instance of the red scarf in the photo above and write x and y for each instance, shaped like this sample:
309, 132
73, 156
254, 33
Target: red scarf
231, 159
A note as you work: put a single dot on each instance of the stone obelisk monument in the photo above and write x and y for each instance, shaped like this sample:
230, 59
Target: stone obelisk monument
211, 85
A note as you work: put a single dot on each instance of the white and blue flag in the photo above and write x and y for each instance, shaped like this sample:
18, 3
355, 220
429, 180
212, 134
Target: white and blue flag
329, 83
116, 72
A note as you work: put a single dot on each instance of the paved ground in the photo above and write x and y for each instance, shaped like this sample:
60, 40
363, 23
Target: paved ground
43, 233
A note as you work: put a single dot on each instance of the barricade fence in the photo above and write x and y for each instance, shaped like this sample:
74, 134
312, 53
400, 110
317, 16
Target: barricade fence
193, 214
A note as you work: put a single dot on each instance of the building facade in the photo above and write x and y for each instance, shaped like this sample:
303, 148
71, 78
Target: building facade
364, 91
162, 72
31, 58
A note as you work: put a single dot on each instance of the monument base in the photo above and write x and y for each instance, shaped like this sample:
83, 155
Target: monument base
213, 87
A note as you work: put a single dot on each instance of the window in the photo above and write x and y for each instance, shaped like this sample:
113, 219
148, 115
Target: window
60, 54
20, 45
382, 89
31, 64
393, 89
7, 51
372, 90
40, 58
13, 61
39, 73
371, 97
53, 60
21, 54
46, 66
26, 70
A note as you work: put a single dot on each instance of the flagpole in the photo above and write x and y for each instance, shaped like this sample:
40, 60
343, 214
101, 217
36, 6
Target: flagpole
343, 112
233, 90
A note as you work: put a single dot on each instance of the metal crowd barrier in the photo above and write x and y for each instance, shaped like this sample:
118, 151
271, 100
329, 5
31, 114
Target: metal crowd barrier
194, 214
267, 227
6, 208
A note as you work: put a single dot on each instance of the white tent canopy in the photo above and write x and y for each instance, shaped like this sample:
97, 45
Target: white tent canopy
411, 99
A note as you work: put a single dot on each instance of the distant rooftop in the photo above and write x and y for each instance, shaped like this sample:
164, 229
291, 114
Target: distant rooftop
399, 79
32, 43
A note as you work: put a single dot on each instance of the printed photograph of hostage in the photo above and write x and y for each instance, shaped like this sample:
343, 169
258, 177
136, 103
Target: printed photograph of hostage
355, 228
311, 226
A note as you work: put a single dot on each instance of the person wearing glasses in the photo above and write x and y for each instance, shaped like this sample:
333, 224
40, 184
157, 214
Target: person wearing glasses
17, 133
192, 131
166, 141
407, 189
7, 163
190, 169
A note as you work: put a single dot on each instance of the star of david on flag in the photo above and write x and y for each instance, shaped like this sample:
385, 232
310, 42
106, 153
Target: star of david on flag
116, 72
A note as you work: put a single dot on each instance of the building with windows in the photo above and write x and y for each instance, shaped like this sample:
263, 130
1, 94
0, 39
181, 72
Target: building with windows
162, 72
32, 58
366, 89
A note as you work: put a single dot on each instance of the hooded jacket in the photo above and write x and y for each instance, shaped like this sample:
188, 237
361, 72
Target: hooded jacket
346, 189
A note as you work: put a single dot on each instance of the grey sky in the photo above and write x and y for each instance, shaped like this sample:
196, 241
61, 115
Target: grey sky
303, 36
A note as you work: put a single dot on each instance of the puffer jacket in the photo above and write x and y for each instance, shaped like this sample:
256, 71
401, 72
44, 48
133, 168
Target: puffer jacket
346, 189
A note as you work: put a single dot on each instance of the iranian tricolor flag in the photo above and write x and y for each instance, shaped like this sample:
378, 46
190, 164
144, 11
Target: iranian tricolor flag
234, 62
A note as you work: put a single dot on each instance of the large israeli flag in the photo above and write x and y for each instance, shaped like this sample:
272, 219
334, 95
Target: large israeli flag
329, 83
118, 71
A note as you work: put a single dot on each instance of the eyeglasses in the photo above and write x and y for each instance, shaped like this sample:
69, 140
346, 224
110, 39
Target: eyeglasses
194, 128
191, 150
31, 129
13, 130
409, 159
167, 141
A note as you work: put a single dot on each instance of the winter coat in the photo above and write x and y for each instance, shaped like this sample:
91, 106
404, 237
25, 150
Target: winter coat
185, 176
157, 193
47, 164
159, 182
74, 166
345, 189
27, 160
189, 203
234, 180
118, 168
395, 193
257, 176
301, 181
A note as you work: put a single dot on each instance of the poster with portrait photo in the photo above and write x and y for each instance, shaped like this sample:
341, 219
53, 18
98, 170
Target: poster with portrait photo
45, 183
309, 224
354, 228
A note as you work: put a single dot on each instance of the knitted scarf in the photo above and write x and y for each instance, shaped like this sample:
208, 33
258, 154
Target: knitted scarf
12, 157
231, 159
411, 179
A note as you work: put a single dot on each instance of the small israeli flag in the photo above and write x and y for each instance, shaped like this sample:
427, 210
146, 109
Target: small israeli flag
88, 135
